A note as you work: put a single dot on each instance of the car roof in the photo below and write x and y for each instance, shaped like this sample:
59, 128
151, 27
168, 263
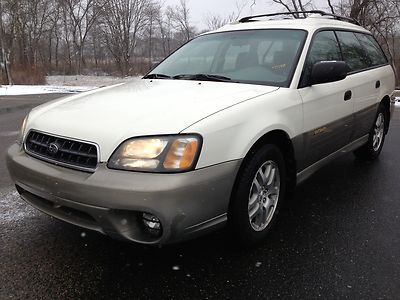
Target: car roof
310, 24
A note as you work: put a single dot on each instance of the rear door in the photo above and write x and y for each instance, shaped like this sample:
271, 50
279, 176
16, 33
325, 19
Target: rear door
365, 80
328, 108
370, 82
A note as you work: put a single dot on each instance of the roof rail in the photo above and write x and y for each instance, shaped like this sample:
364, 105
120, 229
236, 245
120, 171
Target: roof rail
297, 15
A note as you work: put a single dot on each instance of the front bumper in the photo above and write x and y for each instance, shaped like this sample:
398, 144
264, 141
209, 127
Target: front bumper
111, 201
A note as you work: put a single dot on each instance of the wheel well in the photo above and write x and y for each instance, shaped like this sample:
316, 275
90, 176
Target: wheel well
386, 104
280, 139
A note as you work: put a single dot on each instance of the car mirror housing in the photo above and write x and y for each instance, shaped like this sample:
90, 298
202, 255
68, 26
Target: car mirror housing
328, 71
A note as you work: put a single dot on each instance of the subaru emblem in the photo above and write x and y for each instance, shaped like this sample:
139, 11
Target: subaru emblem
53, 148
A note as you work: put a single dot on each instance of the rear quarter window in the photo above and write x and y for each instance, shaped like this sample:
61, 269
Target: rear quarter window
374, 51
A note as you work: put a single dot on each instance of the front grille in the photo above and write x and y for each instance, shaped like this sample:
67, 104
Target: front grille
62, 151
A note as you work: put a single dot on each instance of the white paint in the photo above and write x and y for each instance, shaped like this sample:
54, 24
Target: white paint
143, 107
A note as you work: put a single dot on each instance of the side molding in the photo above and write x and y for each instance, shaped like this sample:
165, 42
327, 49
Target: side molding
306, 173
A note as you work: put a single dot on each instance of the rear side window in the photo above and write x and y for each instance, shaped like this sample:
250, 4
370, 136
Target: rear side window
374, 51
353, 52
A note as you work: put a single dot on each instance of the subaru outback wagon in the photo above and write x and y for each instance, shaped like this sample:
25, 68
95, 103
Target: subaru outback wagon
216, 134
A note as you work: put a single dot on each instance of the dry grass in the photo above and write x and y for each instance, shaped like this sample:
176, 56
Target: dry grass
3, 79
27, 75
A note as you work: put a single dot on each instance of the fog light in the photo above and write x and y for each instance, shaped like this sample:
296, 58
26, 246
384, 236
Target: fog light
152, 223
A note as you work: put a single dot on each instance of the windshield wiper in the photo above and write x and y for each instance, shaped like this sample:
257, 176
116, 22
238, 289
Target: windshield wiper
209, 77
156, 76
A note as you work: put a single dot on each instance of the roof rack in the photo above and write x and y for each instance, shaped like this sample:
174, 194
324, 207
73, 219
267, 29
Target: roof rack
297, 15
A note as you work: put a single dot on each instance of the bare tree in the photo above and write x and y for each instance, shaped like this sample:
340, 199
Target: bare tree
81, 17
4, 64
37, 24
54, 34
123, 22
153, 12
125, 36
214, 21
294, 5
181, 17
165, 25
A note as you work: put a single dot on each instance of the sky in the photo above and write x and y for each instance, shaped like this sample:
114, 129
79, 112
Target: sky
199, 9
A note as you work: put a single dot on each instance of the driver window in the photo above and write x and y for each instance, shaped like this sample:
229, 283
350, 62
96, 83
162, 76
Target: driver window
324, 47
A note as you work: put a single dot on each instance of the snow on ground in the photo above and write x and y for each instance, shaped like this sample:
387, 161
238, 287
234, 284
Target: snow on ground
63, 85
83, 80
6, 90
12, 209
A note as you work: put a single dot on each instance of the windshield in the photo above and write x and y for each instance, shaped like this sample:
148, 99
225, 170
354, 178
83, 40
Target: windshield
248, 56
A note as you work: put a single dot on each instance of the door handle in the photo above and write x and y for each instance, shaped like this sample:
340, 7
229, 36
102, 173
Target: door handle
348, 95
378, 84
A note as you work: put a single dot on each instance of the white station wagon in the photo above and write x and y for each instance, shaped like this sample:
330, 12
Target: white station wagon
216, 134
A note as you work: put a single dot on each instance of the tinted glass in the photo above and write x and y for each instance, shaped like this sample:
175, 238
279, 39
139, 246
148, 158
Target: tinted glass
353, 52
374, 51
324, 48
250, 56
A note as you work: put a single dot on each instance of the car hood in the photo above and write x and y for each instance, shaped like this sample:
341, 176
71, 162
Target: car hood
141, 107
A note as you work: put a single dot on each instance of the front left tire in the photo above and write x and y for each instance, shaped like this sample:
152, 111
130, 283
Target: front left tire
258, 195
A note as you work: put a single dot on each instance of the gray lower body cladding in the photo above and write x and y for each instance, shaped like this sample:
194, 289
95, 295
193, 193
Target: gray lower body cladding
319, 143
112, 202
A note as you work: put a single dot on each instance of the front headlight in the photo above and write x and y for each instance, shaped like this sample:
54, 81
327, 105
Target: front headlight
163, 154
22, 131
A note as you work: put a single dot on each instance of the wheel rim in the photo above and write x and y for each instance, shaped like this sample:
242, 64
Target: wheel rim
264, 195
379, 129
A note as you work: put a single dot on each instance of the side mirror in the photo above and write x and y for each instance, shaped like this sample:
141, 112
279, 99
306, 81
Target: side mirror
328, 71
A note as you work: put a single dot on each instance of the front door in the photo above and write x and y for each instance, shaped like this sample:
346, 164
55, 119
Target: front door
327, 108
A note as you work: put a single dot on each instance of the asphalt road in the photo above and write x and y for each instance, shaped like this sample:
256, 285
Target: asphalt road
338, 238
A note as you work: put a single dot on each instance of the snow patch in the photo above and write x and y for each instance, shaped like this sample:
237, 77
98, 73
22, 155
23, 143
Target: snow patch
60, 84
7, 90
12, 209
84, 80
